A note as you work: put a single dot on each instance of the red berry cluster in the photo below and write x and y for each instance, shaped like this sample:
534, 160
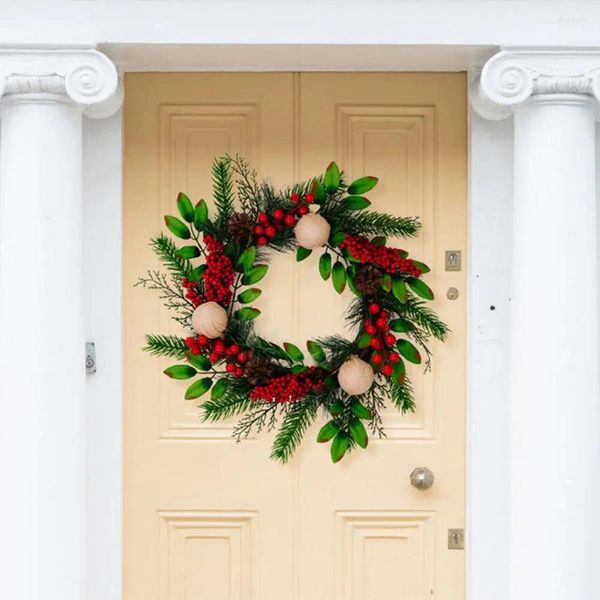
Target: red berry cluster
290, 387
192, 293
388, 259
268, 226
217, 350
218, 277
382, 341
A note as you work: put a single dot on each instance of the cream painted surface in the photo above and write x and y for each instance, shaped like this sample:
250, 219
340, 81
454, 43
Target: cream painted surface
206, 518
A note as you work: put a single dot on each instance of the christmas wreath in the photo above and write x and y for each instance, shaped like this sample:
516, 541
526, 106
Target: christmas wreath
210, 285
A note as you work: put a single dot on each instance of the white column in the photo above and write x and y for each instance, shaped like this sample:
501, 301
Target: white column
554, 400
42, 361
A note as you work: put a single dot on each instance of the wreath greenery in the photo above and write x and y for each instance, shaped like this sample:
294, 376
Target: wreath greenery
210, 284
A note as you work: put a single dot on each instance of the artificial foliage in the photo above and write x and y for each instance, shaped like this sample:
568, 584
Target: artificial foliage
222, 256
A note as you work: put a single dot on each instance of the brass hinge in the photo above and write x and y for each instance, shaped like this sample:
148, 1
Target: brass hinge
456, 539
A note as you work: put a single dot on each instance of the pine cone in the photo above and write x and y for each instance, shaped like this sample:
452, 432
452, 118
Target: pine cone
259, 369
368, 279
240, 227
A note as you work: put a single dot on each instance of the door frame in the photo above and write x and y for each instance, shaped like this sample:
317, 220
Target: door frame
488, 203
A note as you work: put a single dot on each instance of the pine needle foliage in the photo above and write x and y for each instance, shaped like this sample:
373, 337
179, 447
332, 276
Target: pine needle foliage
297, 419
165, 345
166, 250
223, 192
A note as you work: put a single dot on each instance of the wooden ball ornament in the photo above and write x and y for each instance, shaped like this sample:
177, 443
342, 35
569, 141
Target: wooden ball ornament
355, 376
312, 231
210, 319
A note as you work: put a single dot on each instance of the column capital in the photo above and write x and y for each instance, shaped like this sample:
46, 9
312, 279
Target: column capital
84, 77
515, 75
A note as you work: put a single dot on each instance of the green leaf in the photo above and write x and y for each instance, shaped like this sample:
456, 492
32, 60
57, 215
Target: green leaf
331, 382
325, 265
299, 369
316, 351
341, 443
401, 325
420, 288
188, 252
364, 341
247, 313
318, 190
360, 410
421, 266
199, 361
177, 227
379, 240
399, 370
196, 274
362, 185
246, 259
255, 274
185, 207
399, 290
294, 352
336, 238
338, 275
249, 295
302, 253
356, 202
198, 388
386, 282
359, 433
350, 271
408, 350
200, 214
336, 408
219, 389
332, 178
180, 372
328, 431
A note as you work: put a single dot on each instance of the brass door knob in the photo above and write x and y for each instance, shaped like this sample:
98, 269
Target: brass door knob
422, 478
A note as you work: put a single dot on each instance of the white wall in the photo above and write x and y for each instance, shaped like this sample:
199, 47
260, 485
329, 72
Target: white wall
102, 158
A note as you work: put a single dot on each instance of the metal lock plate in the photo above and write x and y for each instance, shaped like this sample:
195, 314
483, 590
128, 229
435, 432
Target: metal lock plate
90, 358
456, 539
453, 260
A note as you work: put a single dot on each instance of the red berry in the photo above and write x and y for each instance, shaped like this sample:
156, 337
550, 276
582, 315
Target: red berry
377, 358
295, 198
259, 230
381, 323
309, 197
374, 308
302, 210
370, 328
202, 340
262, 241
233, 349
278, 214
390, 340
242, 357
387, 370
270, 231
394, 357
263, 218
230, 367
238, 371
190, 342
213, 357
376, 343
290, 220
385, 314
219, 347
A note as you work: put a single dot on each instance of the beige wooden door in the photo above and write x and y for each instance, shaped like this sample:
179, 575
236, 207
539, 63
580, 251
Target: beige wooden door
209, 519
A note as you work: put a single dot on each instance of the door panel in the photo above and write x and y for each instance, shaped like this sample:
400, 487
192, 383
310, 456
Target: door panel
206, 518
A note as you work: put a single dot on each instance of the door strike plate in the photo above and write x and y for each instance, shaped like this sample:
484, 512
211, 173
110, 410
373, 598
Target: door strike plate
90, 358
453, 260
456, 539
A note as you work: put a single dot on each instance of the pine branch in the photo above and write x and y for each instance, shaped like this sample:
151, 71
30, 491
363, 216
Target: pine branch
402, 395
223, 191
165, 345
370, 223
166, 250
298, 418
419, 313
262, 415
232, 402
169, 291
